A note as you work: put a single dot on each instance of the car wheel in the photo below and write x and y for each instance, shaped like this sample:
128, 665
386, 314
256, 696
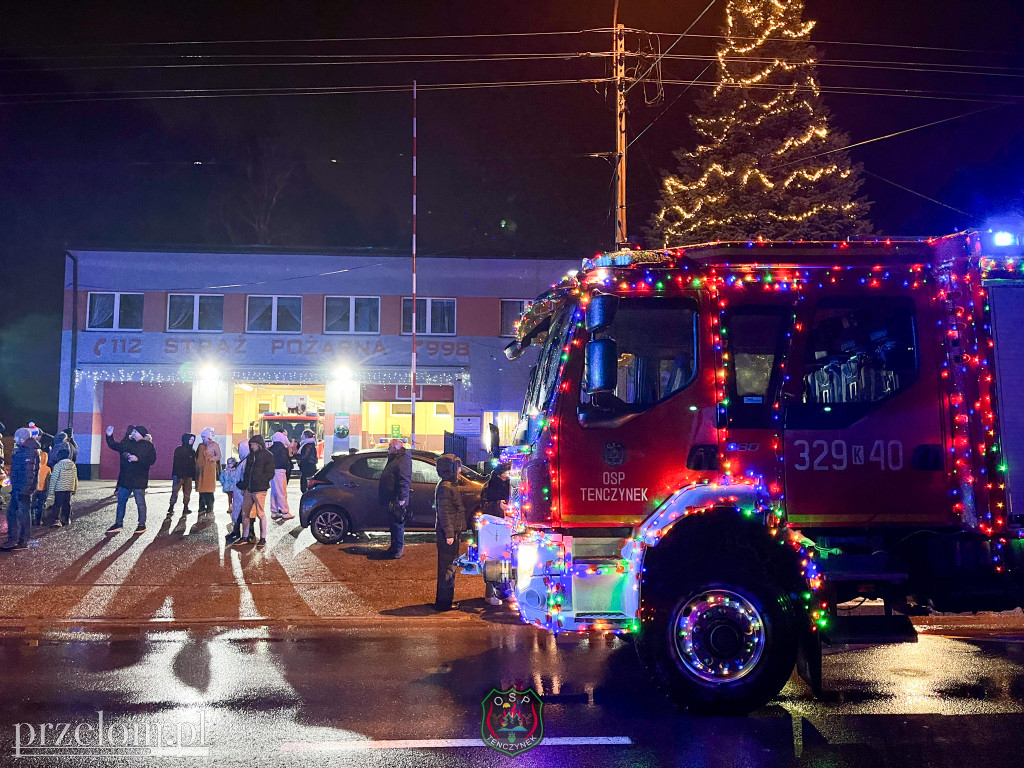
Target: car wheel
329, 525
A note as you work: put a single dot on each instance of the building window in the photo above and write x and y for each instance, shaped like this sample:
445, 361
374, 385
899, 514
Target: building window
274, 314
351, 314
195, 312
442, 409
435, 317
115, 311
401, 409
511, 311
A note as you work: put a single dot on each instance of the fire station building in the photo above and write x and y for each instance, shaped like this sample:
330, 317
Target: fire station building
241, 340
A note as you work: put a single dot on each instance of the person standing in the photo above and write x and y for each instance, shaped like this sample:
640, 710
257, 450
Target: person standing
451, 522
279, 448
42, 488
24, 481
236, 501
208, 458
494, 498
63, 483
307, 459
183, 472
256, 479
61, 450
3, 462
393, 495
137, 456
229, 481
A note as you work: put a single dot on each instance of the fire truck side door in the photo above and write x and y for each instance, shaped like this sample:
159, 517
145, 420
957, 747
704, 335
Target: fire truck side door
863, 430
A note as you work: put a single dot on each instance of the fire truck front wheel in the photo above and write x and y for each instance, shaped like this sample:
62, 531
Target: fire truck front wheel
718, 640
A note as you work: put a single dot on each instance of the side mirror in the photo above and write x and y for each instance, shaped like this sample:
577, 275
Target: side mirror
601, 373
601, 312
494, 440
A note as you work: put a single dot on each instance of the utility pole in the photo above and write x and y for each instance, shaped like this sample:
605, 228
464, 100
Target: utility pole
412, 389
619, 64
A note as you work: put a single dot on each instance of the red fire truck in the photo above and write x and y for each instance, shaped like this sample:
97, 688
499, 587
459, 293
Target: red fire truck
294, 424
721, 444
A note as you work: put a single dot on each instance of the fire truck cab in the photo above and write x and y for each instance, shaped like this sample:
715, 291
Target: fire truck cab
721, 444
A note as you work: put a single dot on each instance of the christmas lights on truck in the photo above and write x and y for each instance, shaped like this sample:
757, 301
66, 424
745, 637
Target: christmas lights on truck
722, 444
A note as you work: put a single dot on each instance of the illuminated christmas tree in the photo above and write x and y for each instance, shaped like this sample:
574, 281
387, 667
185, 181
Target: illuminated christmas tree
765, 165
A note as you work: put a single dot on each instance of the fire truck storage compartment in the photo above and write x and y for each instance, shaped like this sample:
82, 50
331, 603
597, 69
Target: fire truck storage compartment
1007, 303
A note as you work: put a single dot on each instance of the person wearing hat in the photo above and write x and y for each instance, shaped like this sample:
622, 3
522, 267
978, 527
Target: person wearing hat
208, 459
307, 458
393, 494
494, 498
450, 523
137, 456
24, 481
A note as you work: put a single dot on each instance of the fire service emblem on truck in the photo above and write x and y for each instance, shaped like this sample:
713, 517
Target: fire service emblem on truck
512, 721
614, 454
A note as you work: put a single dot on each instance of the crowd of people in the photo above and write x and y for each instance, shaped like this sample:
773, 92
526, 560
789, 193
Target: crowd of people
43, 469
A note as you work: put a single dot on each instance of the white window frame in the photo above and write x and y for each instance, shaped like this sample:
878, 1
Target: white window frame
195, 314
273, 310
352, 316
430, 300
526, 304
117, 309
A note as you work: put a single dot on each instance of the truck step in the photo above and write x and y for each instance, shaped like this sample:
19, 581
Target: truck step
868, 630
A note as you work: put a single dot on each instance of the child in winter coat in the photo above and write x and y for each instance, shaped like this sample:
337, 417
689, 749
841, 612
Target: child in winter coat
24, 482
63, 483
229, 480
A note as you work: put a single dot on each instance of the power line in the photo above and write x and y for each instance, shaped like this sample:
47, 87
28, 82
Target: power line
887, 136
213, 93
665, 52
925, 197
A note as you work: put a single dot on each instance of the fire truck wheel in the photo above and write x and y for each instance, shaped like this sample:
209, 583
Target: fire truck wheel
721, 641
329, 525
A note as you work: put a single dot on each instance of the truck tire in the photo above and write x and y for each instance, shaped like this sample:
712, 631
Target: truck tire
329, 525
718, 638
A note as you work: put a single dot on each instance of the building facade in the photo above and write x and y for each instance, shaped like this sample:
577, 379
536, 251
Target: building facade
247, 340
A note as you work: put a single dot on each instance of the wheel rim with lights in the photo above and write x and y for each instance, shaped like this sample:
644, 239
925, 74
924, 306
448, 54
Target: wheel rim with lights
330, 524
719, 635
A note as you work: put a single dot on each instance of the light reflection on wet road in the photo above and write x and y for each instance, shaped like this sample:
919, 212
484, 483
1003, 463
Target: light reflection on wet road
939, 702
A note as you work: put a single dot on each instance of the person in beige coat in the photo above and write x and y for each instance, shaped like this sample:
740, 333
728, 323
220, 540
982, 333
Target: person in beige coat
208, 459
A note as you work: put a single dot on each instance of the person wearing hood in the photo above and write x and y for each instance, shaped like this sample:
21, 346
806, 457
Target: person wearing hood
256, 479
449, 525
279, 489
45, 443
393, 494
3, 472
307, 458
494, 498
208, 458
24, 482
183, 470
234, 532
137, 456
61, 450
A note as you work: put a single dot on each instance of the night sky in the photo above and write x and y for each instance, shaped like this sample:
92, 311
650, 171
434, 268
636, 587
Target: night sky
502, 171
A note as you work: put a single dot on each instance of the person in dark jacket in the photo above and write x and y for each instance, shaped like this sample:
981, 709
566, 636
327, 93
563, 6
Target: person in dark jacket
307, 458
61, 450
24, 482
137, 456
393, 495
256, 479
183, 471
3, 473
279, 447
451, 522
494, 498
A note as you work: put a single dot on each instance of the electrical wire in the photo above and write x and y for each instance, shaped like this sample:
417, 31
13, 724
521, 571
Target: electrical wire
665, 52
677, 98
923, 196
887, 136
211, 93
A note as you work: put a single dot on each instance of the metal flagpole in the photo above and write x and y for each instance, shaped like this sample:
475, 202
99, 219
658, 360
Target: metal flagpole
412, 391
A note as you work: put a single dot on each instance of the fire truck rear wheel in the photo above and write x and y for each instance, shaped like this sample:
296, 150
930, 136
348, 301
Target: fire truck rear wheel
721, 641
329, 525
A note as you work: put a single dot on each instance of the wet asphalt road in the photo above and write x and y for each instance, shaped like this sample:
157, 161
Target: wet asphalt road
307, 696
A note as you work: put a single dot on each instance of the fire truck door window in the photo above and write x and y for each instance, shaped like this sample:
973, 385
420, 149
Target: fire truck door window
859, 351
755, 339
550, 361
656, 342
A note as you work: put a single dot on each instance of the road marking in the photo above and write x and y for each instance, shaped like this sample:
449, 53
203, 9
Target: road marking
359, 746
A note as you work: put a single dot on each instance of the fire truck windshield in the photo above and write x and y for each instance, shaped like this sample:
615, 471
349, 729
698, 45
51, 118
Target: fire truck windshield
544, 375
293, 427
